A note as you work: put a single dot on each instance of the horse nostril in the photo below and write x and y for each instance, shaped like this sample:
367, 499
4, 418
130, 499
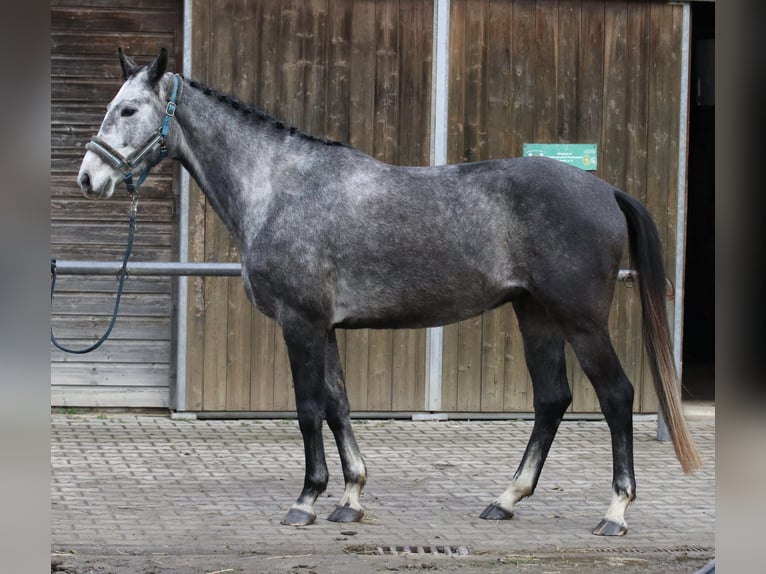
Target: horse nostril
85, 181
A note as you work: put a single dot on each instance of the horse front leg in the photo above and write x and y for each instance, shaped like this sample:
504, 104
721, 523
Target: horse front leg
306, 350
354, 471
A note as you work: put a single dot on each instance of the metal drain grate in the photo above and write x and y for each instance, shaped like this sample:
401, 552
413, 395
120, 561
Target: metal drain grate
426, 550
380, 550
649, 550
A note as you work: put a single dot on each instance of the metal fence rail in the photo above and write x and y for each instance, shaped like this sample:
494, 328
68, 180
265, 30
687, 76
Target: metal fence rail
179, 269
146, 268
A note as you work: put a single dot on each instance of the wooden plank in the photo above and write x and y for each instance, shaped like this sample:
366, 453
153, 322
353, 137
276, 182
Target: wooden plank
615, 135
455, 154
140, 305
663, 110
151, 235
239, 320
292, 90
91, 327
106, 284
415, 38
493, 360
338, 94
469, 365
106, 375
238, 324
337, 97
385, 148
517, 390
66, 210
138, 397
469, 332
82, 43
628, 330
475, 106
114, 351
122, 4
415, 34
589, 113
361, 110
567, 71
263, 339
265, 335
217, 239
108, 19
195, 332
546, 51
517, 394
289, 94
500, 17
498, 137
523, 74
315, 72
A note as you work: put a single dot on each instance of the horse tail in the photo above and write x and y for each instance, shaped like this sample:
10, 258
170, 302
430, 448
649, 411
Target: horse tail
645, 251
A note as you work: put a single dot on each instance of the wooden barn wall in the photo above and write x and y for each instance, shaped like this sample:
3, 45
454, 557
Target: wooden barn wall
133, 368
581, 71
358, 72
575, 71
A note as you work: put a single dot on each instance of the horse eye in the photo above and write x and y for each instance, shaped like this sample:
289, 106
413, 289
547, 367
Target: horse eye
127, 112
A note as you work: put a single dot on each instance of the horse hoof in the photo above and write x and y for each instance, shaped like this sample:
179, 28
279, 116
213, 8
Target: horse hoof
610, 528
496, 512
345, 514
295, 517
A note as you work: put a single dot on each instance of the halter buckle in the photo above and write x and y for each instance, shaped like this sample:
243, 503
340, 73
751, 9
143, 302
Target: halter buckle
170, 109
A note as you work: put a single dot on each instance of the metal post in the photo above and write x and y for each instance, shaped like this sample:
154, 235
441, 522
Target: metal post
178, 398
439, 116
675, 306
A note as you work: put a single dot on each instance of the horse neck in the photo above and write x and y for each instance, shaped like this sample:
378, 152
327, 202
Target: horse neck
228, 157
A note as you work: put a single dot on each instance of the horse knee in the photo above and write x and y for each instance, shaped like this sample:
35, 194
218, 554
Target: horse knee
617, 399
554, 405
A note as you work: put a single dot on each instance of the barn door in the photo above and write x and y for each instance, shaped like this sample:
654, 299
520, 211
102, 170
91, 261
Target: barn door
358, 72
133, 369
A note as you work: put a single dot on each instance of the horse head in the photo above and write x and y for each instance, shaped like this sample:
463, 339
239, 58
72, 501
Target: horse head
126, 138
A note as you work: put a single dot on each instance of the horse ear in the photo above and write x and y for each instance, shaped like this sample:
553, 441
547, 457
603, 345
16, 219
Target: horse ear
128, 65
158, 67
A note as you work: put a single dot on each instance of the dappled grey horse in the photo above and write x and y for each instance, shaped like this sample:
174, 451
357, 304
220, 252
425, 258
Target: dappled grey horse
330, 237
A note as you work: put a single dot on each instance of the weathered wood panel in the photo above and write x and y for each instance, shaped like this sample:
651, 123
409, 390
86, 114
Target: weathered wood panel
549, 71
355, 71
133, 367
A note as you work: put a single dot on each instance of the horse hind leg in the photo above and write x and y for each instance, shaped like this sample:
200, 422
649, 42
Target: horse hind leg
599, 361
544, 354
354, 471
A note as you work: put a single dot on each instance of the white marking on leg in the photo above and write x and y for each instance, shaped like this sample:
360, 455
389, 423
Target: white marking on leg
306, 507
521, 486
353, 492
618, 506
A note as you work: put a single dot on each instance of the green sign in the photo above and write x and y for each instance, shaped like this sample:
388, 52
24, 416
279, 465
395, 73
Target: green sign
584, 156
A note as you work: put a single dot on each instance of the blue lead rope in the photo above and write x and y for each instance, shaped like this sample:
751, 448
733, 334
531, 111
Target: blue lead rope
123, 275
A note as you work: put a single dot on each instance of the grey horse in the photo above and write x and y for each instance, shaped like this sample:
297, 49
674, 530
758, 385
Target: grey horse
330, 237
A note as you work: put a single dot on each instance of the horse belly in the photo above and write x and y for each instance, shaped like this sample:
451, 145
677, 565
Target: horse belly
416, 304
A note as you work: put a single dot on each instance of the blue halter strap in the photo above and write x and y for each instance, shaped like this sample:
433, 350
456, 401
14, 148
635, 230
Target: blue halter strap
126, 165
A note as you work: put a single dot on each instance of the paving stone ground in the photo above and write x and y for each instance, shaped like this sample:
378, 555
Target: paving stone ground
148, 493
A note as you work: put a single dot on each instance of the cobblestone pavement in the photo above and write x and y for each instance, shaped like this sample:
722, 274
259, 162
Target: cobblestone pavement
212, 493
